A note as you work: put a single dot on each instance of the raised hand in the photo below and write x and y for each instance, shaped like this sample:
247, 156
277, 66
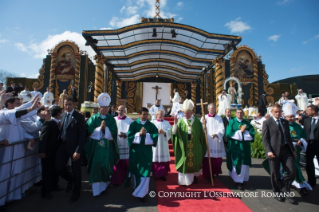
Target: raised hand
35, 97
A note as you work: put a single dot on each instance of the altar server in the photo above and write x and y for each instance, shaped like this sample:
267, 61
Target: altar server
161, 156
155, 107
121, 168
215, 132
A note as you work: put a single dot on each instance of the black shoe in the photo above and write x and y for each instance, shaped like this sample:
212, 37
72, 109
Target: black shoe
195, 180
291, 200
240, 186
143, 199
304, 191
74, 198
47, 196
57, 188
38, 183
69, 187
313, 185
280, 199
163, 178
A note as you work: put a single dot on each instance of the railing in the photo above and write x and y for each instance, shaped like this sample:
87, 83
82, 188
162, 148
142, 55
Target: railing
9, 159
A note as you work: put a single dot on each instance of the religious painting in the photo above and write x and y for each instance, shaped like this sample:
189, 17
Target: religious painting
65, 62
65, 59
244, 68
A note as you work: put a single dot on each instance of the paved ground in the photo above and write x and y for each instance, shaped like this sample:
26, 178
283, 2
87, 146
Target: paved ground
120, 198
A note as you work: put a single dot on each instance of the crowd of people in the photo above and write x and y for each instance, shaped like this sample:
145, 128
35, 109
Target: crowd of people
115, 148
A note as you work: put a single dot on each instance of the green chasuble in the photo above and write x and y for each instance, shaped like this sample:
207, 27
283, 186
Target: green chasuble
189, 154
140, 158
297, 132
238, 152
102, 154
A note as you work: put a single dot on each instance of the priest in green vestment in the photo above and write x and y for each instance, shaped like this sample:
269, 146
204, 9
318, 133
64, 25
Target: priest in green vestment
141, 137
103, 151
299, 137
189, 144
239, 133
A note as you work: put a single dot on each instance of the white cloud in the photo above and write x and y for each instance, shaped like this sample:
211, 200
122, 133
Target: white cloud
131, 10
122, 22
39, 50
283, 2
3, 41
33, 75
180, 4
123, 9
314, 38
274, 38
237, 26
21, 47
105, 28
179, 19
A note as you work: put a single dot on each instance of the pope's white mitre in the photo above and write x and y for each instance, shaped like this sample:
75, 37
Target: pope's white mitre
188, 105
104, 99
289, 108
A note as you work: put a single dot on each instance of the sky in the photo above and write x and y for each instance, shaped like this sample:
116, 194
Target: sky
284, 32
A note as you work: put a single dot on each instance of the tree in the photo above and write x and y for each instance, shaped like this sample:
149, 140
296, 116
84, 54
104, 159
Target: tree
4, 74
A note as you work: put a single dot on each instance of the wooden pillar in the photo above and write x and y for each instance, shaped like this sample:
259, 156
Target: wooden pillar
193, 94
219, 79
118, 92
52, 76
99, 78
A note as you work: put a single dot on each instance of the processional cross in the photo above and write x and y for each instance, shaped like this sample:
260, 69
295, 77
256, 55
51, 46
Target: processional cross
156, 90
205, 132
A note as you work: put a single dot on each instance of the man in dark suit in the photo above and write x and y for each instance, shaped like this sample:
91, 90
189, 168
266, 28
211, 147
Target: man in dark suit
280, 150
47, 151
113, 112
226, 120
187, 94
74, 94
71, 142
311, 126
262, 104
13, 89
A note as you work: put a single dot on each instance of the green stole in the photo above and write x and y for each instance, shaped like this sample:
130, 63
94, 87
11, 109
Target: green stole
140, 158
238, 152
189, 154
102, 154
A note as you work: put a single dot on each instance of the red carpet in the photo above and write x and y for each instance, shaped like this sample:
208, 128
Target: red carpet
197, 197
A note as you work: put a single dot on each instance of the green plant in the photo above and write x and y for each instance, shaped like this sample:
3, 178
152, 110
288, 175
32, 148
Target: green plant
257, 147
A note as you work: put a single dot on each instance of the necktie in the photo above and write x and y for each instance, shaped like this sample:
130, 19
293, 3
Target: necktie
65, 124
59, 124
282, 132
312, 129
